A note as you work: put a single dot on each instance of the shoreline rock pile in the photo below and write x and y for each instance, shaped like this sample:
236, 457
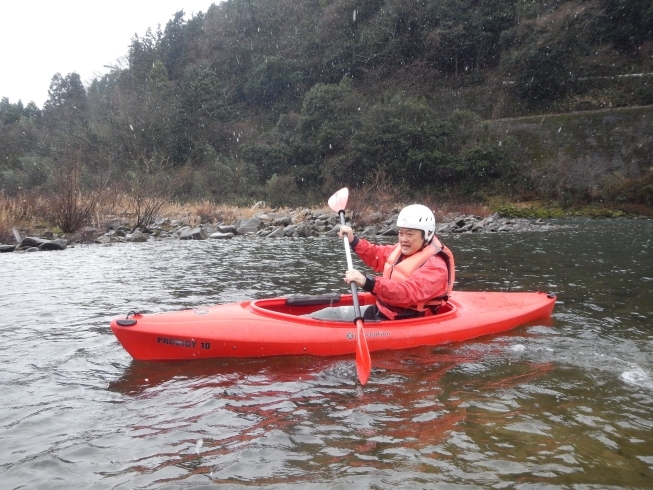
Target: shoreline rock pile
297, 224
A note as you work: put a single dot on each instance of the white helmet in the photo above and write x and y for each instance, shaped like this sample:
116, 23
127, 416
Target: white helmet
418, 217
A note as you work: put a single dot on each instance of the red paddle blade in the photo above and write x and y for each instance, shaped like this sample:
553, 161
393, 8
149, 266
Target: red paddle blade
363, 360
338, 202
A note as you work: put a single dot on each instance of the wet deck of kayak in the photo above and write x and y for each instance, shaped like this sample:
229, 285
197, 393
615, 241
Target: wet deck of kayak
565, 402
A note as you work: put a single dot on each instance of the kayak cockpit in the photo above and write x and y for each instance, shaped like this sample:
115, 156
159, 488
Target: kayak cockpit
299, 306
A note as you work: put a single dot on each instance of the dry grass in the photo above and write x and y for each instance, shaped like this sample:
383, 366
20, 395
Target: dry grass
12, 213
195, 213
32, 211
209, 212
24, 212
443, 210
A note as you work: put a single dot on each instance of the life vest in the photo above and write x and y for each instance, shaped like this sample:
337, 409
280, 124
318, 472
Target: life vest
402, 271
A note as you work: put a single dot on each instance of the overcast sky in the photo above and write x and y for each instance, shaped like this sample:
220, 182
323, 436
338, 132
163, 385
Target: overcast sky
39, 38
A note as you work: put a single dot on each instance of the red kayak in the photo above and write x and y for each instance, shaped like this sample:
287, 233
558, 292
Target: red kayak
275, 327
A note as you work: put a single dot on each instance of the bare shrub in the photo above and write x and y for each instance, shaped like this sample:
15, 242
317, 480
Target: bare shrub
73, 204
207, 211
151, 183
226, 215
620, 189
212, 213
379, 194
112, 203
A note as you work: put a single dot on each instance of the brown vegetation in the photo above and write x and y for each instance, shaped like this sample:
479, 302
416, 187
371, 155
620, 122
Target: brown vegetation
72, 203
31, 213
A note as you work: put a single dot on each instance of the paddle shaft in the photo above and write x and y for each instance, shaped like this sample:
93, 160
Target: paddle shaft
350, 266
338, 202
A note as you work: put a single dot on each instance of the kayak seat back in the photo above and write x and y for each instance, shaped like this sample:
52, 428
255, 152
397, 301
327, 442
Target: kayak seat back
325, 299
304, 305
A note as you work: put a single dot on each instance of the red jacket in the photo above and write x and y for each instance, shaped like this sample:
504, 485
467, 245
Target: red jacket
429, 281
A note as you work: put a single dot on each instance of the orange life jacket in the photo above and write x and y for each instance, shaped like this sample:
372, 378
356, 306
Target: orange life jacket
403, 270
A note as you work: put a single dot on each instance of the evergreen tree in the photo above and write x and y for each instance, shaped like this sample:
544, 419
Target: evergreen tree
627, 23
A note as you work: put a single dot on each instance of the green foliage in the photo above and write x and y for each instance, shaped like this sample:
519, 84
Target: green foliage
353, 86
273, 80
157, 79
619, 189
66, 112
553, 211
66, 91
18, 136
329, 118
36, 170
269, 158
455, 37
337, 141
10, 113
229, 179
626, 23
10, 182
543, 54
203, 99
283, 191
402, 137
330, 115
511, 210
171, 47
142, 56
544, 72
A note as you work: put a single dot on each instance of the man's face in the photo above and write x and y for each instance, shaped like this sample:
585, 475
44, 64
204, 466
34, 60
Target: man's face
410, 240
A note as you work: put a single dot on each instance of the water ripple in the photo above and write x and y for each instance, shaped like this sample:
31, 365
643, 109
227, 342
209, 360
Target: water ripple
545, 404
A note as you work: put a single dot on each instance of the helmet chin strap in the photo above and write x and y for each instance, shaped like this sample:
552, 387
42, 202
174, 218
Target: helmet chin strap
425, 243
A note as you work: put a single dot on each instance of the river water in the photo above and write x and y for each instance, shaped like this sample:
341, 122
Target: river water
561, 403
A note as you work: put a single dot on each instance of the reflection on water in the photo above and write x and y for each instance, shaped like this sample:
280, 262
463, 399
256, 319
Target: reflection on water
566, 402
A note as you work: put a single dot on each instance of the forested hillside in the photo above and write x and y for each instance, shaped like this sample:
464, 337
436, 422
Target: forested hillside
286, 100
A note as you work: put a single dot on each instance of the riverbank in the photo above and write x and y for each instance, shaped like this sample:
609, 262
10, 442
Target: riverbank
202, 221
263, 222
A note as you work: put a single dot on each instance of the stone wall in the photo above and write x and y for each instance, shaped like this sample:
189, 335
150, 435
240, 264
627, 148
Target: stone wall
583, 147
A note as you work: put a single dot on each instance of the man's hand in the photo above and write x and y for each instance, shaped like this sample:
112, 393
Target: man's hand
355, 276
346, 230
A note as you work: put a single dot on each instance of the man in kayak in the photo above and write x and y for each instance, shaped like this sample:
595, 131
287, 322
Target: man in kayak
418, 272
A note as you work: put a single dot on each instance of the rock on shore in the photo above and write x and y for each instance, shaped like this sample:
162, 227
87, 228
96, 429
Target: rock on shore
36, 244
295, 224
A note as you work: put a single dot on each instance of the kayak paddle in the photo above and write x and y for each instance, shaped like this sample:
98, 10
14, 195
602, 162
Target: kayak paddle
338, 202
